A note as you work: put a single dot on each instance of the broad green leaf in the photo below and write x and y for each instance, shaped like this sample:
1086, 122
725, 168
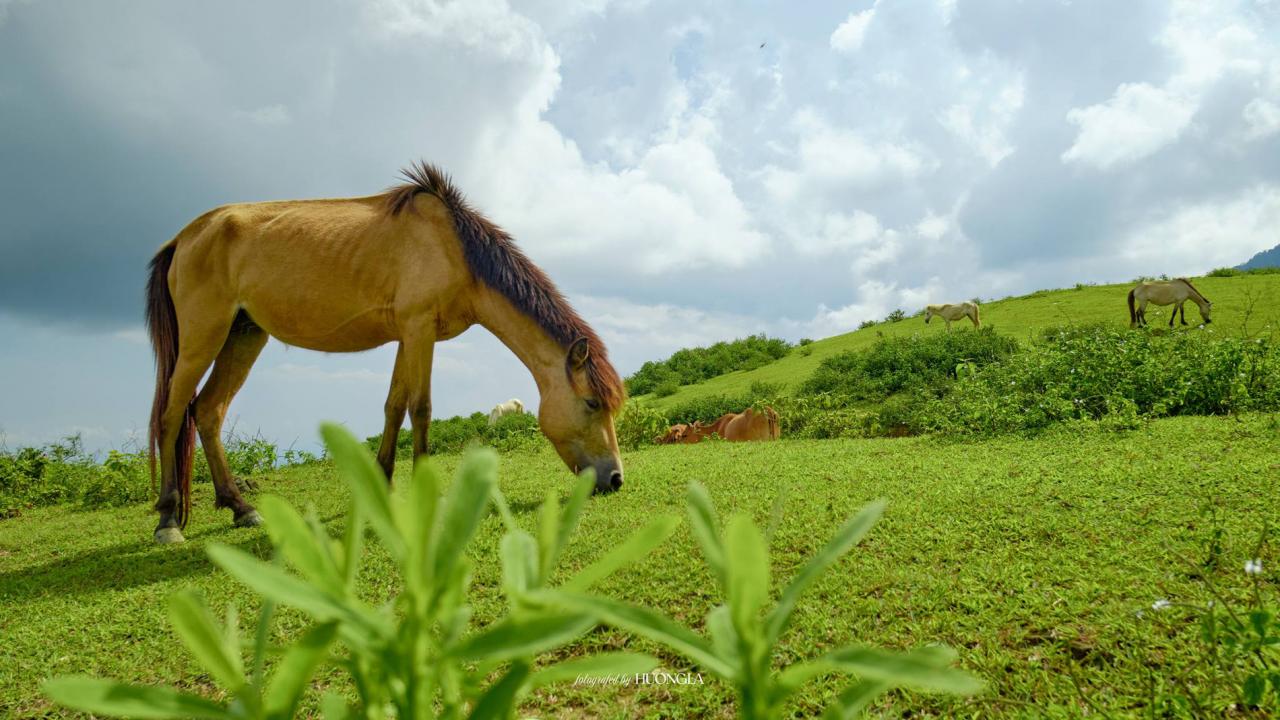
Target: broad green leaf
524, 636
706, 530
297, 542
747, 573
231, 634
519, 563
368, 485
855, 699
465, 507
723, 637
295, 670
107, 697
416, 518
278, 585
595, 666
648, 623
499, 700
582, 489
334, 707
352, 547
845, 538
775, 513
920, 669
631, 550
548, 534
194, 623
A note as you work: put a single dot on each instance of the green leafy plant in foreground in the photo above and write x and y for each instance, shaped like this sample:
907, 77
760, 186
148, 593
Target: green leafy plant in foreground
411, 658
743, 637
417, 657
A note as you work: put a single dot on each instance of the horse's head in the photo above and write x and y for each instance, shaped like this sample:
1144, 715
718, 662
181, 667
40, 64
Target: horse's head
580, 424
1205, 309
927, 314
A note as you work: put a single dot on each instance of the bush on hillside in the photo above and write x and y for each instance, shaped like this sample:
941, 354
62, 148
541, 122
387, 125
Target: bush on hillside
451, 435
891, 365
1098, 372
63, 472
693, 365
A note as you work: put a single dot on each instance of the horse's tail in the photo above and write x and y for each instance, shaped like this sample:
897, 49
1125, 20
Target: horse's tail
1133, 314
162, 325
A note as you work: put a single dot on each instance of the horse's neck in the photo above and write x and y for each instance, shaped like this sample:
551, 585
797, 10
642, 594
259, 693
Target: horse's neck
523, 336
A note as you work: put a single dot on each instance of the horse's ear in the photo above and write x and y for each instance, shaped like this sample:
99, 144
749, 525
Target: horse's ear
579, 351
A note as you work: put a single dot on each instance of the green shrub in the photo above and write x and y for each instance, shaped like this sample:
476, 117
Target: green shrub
1099, 372
693, 365
896, 316
666, 388
638, 424
1223, 272
866, 324
516, 431
919, 362
416, 656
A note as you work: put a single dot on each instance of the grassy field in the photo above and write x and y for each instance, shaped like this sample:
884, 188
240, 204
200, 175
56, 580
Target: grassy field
1021, 317
1031, 557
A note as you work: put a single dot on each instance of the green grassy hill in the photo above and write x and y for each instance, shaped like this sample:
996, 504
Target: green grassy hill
1021, 317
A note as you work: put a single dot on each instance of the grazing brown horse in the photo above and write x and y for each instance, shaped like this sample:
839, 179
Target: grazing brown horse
1172, 292
414, 265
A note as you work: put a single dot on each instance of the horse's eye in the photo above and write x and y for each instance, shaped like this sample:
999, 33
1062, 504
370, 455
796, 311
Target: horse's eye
593, 404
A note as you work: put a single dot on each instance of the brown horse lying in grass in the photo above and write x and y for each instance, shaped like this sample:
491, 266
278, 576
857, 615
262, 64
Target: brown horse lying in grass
745, 426
414, 265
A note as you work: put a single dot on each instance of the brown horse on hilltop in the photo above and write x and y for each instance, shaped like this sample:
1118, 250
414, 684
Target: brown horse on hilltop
414, 265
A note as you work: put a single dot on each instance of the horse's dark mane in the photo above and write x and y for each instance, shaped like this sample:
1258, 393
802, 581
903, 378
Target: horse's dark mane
1194, 289
494, 257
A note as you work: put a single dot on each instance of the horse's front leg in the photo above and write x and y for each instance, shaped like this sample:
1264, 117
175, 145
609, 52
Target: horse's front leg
397, 401
1182, 311
418, 352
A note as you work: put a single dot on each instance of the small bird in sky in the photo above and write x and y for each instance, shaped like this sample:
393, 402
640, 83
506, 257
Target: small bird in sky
762, 44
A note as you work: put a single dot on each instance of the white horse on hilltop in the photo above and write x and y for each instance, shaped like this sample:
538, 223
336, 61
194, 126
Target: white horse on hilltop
510, 407
953, 311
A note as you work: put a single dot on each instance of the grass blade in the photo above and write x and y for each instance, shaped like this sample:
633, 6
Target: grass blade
467, 503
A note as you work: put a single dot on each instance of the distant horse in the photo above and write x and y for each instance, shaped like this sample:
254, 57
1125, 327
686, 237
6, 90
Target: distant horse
414, 265
745, 426
510, 407
1172, 292
951, 312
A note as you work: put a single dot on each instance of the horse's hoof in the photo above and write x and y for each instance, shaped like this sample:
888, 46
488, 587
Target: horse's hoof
249, 519
169, 535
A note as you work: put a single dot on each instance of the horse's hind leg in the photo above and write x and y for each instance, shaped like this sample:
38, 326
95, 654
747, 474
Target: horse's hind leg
230, 370
200, 339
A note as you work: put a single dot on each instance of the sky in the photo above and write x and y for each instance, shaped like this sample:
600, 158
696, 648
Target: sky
687, 172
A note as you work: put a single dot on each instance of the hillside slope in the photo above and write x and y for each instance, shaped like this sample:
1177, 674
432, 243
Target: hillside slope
1021, 317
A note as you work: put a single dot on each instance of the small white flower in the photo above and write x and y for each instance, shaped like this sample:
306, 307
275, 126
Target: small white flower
1253, 567
1160, 604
